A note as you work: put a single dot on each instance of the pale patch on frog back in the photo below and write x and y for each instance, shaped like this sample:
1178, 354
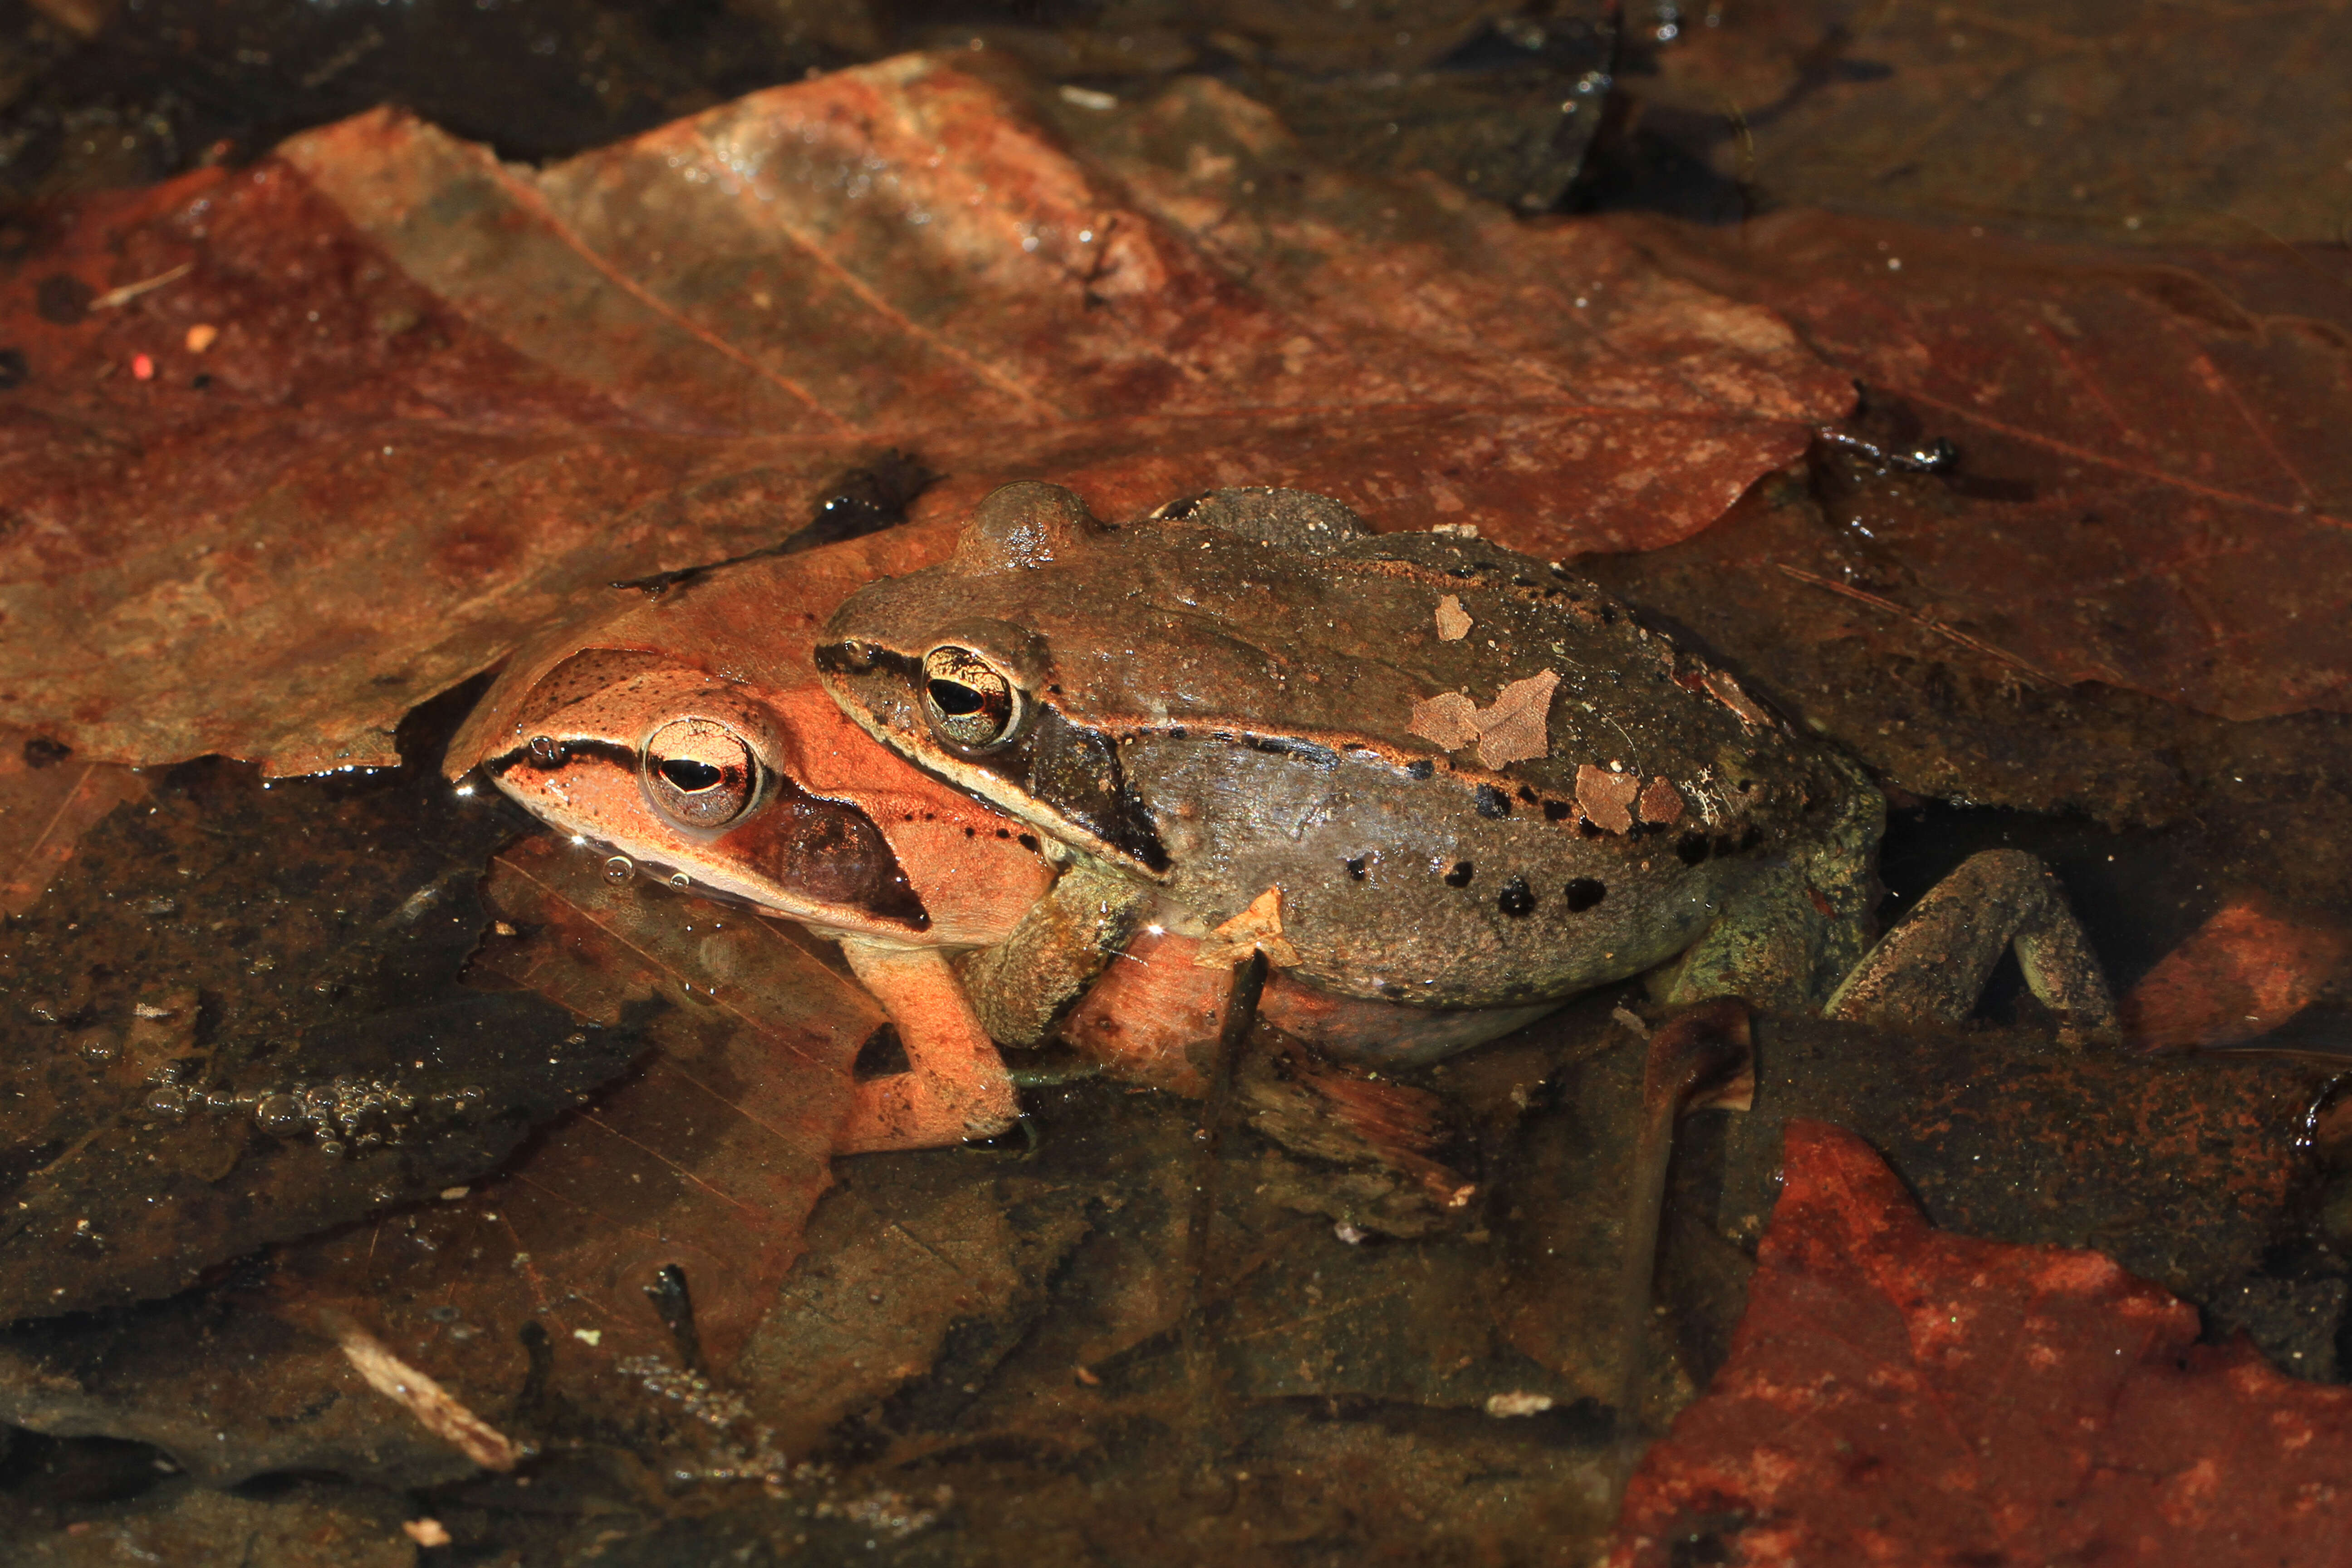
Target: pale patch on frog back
1452, 620
1515, 729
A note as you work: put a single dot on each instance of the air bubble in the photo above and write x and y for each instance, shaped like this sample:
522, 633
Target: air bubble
168, 1100
619, 869
279, 1115
680, 880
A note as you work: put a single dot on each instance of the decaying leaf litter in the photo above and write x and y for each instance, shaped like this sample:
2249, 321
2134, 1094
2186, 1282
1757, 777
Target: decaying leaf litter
926, 1433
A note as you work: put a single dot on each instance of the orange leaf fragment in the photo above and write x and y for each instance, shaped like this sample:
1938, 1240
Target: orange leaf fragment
1448, 719
1606, 798
2244, 972
1662, 803
1452, 620
1514, 728
1256, 929
48, 799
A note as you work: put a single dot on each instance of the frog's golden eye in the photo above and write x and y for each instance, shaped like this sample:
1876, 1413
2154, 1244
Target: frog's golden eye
700, 773
969, 700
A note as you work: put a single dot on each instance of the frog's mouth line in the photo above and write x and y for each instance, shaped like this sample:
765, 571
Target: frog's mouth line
878, 887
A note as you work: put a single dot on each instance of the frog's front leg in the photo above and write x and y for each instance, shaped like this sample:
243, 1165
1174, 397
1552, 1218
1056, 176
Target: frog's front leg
957, 1087
1021, 986
1933, 965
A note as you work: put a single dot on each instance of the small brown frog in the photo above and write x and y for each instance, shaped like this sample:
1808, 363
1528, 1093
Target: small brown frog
689, 734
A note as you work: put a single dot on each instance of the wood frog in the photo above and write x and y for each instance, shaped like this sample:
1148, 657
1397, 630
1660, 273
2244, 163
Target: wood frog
688, 733
1414, 768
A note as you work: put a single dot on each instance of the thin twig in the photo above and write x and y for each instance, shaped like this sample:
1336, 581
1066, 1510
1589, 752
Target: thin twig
130, 291
1928, 623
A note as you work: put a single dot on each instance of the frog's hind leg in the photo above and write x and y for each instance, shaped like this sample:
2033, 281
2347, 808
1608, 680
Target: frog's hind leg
958, 1086
1933, 965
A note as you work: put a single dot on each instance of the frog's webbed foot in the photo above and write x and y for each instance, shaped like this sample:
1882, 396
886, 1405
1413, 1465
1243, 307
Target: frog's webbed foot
1932, 967
1021, 987
957, 1087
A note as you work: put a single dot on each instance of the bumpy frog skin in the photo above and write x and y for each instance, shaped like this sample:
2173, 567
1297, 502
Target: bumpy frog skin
1411, 767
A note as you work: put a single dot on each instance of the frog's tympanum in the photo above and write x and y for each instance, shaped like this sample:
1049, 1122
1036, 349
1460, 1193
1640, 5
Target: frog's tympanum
1411, 768
690, 734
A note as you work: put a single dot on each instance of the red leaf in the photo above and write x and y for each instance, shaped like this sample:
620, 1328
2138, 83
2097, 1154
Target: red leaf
447, 394
1898, 1395
2241, 975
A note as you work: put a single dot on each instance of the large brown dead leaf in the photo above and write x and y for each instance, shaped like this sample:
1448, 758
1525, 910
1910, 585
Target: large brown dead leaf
2152, 491
447, 394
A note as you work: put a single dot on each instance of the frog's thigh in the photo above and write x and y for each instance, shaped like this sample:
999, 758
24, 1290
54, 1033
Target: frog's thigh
958, 1088
1021, 985
1763, 948
1932, 966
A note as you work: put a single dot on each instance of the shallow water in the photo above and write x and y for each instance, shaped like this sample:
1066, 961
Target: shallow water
283, 1054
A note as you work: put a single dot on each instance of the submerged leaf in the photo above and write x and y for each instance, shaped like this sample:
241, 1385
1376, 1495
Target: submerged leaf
1901, 1395
2151, 490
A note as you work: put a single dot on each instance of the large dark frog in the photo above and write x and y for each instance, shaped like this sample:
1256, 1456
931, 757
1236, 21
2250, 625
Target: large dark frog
1412, 767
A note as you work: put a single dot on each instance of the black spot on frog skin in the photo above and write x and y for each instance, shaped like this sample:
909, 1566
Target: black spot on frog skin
1589, 827
40, 751
1356, 866
1691, 848
1460, 876
1557, 810
1420, 768
1004, 832
1527, 794
1028, 841
1515, 899
1583, 893
1493, 802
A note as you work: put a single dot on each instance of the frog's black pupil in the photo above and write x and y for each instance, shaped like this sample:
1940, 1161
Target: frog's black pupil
954, 699
690, 775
